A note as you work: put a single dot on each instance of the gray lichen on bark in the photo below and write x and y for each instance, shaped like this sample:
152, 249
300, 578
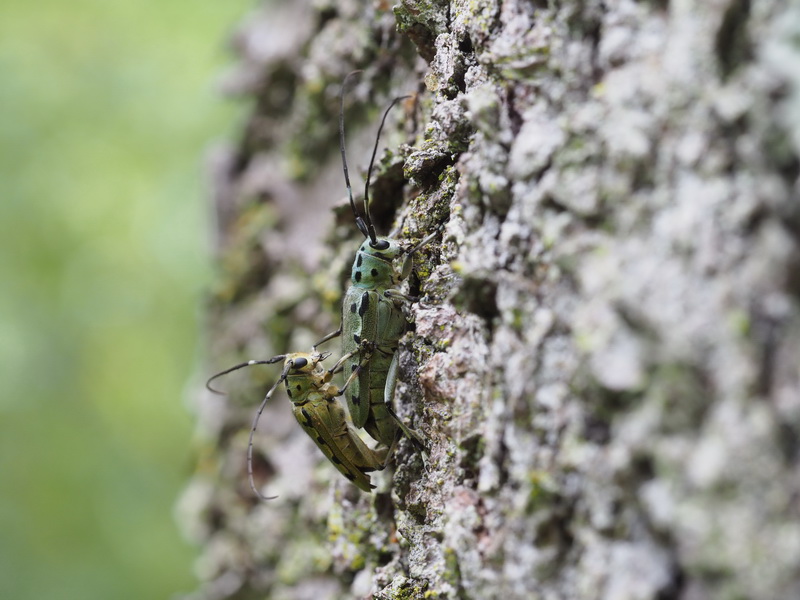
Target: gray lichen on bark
606, 360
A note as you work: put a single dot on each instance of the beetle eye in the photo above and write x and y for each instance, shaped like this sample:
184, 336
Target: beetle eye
299, 363
380, 244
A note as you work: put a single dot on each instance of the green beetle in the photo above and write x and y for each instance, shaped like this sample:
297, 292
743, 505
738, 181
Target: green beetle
372, 313
314, 405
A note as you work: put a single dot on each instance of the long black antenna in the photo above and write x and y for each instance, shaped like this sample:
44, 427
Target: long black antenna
257, 416
370, 226
271, 361
249, 363
362, 227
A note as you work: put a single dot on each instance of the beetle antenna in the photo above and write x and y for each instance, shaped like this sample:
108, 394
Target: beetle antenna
362, 227
271, 361
370, 226
257, 416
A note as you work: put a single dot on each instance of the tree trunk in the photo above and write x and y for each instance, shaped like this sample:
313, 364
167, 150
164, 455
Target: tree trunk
606, 358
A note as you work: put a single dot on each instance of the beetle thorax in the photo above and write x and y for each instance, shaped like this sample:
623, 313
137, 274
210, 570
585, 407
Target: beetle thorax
374, 268
305, 375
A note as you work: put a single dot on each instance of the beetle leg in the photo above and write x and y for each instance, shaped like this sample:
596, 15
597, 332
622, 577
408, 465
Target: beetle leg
357, 371
397, 294
388, 395
330, 336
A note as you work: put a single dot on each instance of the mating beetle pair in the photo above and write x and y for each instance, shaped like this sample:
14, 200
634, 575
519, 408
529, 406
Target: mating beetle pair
373, 321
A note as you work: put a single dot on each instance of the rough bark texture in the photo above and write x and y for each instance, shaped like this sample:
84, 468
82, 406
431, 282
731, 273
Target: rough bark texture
606, 358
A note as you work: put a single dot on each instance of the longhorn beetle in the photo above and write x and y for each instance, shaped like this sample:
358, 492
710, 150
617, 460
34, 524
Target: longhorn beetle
372, 312
314, 404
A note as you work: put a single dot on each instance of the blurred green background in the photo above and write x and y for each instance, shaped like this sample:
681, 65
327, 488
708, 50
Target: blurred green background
106, 110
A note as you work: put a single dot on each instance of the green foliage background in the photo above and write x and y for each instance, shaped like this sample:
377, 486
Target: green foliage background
106, 109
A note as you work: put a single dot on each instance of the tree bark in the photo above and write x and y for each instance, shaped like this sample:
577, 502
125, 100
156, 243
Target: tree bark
606, 358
